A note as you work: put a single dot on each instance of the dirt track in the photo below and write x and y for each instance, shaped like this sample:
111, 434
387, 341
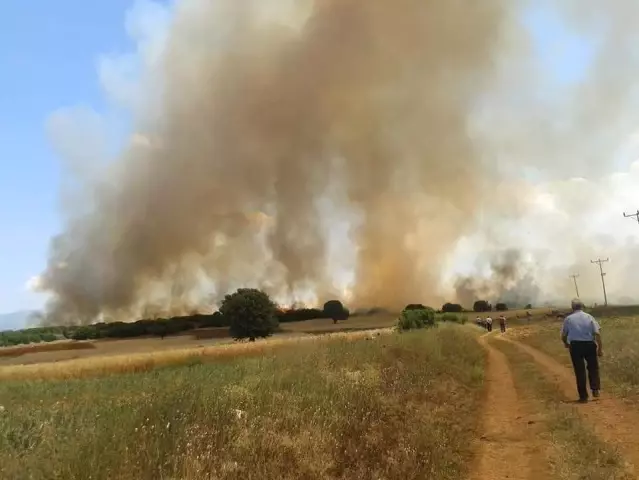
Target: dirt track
613, 421
508, 447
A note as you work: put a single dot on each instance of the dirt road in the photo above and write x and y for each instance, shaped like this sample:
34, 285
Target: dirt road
508, 447
613, 421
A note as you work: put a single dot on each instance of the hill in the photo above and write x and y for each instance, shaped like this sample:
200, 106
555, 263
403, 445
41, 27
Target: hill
15, 320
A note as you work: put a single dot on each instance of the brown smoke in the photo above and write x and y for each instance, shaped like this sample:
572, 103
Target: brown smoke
255, 124
510, 281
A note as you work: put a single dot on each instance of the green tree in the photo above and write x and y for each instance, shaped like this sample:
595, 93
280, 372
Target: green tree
501, 307
335, 310
251, 314
452, 308
482, 306
416, 318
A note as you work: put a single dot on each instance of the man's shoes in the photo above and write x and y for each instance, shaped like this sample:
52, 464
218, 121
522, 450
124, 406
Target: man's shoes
583, 400
595, 393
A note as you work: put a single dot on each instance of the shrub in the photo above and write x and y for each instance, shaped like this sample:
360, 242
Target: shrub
300, 315
453, 317
416, 318
482, 306
85, 333
251, 314
414, 306
49, 337
452, 307
216, 319
528, 307
501, 307
335, 310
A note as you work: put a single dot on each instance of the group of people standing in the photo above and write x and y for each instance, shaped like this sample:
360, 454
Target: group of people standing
487, 323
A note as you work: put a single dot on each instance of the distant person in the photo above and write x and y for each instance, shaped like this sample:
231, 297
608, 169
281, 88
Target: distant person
489, 323
528, 316
581, 335
478, 321
502, 323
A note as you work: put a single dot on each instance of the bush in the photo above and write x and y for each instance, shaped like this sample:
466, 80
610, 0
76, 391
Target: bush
528, 307
501, 307
415, 306
85, 333
335, 310
453, 317
416, 318
251, 314
482, 306
300, 315
452, 307
213, 320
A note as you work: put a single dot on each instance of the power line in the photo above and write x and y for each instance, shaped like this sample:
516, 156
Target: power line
600, 261
574, 279
630, 215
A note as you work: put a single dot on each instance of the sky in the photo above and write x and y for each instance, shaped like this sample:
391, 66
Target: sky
49, 60
72, 64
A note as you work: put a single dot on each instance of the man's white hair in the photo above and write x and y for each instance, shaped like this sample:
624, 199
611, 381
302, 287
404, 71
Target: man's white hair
576, 303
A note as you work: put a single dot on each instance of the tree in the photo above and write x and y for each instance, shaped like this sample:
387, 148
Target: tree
160, 328
482, 306
501, 307
416, 318
335, 310
452, 308
414, 306
251, 314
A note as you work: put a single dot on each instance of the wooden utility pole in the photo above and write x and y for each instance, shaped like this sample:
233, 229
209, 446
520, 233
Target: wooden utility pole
630, 215
599, 262
574, 279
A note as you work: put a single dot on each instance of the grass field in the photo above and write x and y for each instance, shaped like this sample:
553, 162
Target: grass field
72, 350
620, 364
68, 350
396, 406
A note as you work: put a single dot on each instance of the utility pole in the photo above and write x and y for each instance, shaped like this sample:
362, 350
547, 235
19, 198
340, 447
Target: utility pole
599, 262
630, 215
574, 279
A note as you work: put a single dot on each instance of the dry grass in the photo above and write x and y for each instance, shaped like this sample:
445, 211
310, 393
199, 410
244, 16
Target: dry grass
194, 339
400, 406
62, 345
141, 362
354, 323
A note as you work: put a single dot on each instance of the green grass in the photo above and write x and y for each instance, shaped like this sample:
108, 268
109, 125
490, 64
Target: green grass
396, 407
574, 451
620, 365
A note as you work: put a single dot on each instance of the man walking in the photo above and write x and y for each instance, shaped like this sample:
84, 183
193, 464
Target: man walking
502, 323
581, 335
489, 323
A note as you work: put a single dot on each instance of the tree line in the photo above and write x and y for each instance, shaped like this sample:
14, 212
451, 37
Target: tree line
162, 327
247, 313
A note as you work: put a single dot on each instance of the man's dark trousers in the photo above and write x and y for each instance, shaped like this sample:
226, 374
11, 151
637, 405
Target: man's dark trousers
584, 355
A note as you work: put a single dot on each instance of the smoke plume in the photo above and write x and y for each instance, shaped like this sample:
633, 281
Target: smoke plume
258, 135
510, 280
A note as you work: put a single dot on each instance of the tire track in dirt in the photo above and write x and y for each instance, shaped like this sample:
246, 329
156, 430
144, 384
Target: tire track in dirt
508, 445
611, 419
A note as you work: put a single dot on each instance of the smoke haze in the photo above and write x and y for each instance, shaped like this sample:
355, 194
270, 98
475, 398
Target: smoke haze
266, 129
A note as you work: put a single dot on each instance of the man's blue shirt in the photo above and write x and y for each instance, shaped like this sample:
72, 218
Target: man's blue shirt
580, 326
